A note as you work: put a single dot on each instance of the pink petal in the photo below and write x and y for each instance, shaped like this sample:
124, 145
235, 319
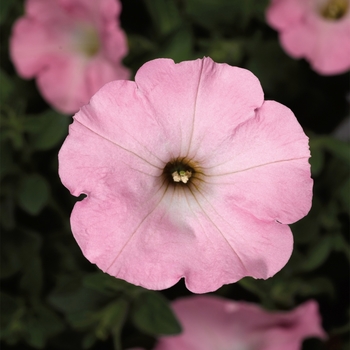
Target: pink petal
186, 106
48, 43
282, 14
135, 225
262, 167
304, 33
210, 323
63, 83
33, 47
323, 43
69, 82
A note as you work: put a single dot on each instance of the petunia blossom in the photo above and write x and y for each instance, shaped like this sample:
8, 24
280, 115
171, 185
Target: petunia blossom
187, 172
211, 322
317, 30
72, 48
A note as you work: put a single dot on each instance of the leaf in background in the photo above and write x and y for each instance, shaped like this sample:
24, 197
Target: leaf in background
228, 51
6, 84
218, 15
12, 310
33, 193
318, 254
10, 261
307, 229
343, 194
111, 320
165, 15
106, 284
73, 299
338, 148
29, 321
152, 315
315, 286
263, 58
7, 164
28, 245
317, 157
32, 279
41, 324
340, 244
178, 46
46, 130
211, 14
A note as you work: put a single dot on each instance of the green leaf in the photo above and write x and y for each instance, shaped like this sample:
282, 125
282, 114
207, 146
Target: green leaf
178, 46
46, 130
41, 324
338, 148
221, 15
315, 286
6, 85
112, 319
32, 278
165, 15
73, 299
317, 158
109, 285
7, 164
33, 193
10, 262
12, 310
152, 314
263, 58
317, 254
344, 195
224, 50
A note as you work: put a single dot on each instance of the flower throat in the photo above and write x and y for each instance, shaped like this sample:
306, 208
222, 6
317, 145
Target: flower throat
178, 171
334, 9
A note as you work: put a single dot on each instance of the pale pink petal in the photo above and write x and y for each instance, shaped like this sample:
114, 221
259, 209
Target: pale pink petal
45, 12
187, 108
331, 49
33, 47
325, 44
297, 39
282, 14
99, 72
170, 228
63, 83
305, 33
72, 47
233, 237
210, 322
264, 160
136, 224
69, 82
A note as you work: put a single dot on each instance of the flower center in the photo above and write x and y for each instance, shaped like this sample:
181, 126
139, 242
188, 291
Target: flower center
334, 9
87, 40
179, 171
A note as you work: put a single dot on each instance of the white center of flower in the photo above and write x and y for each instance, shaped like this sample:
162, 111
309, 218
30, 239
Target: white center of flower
334, 9
87, 40
181, 176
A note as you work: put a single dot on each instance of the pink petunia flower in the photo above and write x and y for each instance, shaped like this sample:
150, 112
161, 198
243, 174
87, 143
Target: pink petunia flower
317, 30
72, 47
211, 322
188, 173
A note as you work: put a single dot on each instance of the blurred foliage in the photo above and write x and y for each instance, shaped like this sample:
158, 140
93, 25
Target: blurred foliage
52, 298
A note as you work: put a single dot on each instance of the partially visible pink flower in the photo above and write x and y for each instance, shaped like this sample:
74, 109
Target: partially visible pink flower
317, 30
210, 322
188, 173
72, 48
